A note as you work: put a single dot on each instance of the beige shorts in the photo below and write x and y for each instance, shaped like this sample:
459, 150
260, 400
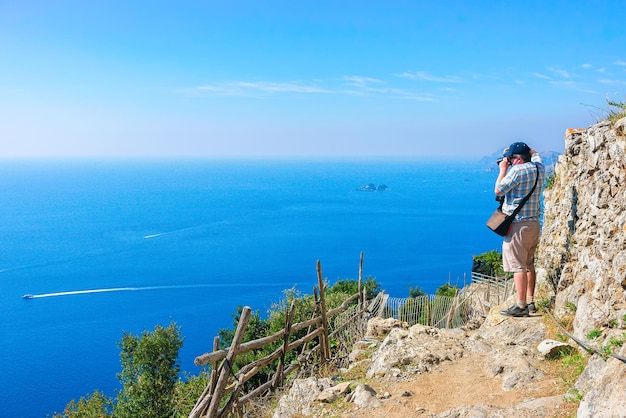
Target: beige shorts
518, 247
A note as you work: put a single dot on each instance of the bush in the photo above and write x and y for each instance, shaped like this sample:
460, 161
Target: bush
351, 286
447, 290
149, 373
489, 263
149, 379
96, 404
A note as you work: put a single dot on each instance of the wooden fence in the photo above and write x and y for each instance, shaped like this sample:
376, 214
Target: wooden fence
344, 325
497, 289
435, 311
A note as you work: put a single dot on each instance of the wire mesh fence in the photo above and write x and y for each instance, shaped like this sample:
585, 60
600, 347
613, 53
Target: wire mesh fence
431, 310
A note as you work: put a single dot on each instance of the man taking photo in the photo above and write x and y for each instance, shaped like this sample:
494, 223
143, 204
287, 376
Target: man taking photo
520, 168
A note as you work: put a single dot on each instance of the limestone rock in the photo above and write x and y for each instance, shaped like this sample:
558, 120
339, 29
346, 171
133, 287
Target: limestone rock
606, 395
379, 327
551, 349
416, 350
330, 394
299, 399
364, 396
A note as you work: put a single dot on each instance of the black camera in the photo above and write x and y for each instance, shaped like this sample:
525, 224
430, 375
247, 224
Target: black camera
499, 160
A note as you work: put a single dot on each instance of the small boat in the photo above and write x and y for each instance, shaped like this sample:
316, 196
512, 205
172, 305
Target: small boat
27, 296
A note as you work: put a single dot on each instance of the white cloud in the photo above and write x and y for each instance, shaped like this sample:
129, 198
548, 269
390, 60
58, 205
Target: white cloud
355, 85
361, 81
562, 73
620, 63
244, 87
542, 76
563, 83
586, 66
269, 86
609, 81
423, 75
364, 86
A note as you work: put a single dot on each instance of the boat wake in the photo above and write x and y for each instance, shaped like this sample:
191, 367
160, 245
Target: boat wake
79, 292
134, 289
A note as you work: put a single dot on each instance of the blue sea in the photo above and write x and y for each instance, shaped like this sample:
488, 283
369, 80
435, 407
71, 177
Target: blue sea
107, 247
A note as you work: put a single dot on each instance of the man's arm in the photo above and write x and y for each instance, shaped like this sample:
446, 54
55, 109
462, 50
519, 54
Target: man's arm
535, 157
504, 166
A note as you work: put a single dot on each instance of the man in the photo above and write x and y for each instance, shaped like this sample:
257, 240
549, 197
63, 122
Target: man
518, 170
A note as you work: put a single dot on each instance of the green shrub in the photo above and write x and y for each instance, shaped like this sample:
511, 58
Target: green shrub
96, 404
351, 287
149, 373
550, 178
415, 292
489, 263
593, 334
447, 290
616, 111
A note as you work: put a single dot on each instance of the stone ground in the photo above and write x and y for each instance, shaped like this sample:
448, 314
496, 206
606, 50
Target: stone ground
467, 381
451, 384
462, 382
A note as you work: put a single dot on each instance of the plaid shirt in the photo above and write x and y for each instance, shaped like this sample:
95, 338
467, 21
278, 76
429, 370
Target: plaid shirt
517, 183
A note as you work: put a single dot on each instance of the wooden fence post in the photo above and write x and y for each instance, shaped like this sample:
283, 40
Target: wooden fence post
226, 368
452, 309
324, 337
361, 304
203, 402
313, 315
216, 346
279, 376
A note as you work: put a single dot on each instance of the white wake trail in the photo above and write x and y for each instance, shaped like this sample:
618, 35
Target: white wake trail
132, 289
80, 292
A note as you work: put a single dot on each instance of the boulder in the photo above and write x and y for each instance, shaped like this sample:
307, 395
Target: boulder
299, 399
364, 396
550, 349
379, 328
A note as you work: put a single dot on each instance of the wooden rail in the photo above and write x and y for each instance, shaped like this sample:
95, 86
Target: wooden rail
224, 392
498, 288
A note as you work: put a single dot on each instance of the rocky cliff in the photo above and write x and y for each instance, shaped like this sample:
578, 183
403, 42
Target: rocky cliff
582, 255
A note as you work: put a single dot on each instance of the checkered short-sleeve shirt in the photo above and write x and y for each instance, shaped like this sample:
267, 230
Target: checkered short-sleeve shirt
517, 183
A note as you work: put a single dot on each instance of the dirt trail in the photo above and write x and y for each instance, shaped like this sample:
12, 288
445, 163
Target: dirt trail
466, 381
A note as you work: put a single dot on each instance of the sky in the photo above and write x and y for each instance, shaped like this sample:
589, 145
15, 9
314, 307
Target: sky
303, 79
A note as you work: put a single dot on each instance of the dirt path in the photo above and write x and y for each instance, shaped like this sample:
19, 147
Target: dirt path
463, 382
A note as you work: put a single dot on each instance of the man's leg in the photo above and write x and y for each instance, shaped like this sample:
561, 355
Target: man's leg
521, 285
530, 286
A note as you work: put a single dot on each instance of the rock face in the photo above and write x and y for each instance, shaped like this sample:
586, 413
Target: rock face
583, 253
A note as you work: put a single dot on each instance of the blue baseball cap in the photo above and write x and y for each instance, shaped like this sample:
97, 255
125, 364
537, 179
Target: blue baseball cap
518, 148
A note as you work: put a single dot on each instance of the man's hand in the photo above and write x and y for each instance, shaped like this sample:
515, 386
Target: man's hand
504, 165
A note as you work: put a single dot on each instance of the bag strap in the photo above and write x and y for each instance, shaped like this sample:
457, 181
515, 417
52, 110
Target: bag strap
525, 199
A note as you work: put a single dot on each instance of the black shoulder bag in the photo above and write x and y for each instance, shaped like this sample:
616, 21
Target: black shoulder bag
500, 222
